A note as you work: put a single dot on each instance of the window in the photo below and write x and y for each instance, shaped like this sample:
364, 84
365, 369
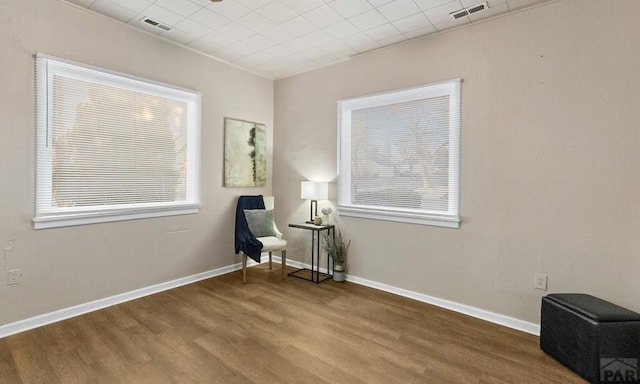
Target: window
112, 147
399, 155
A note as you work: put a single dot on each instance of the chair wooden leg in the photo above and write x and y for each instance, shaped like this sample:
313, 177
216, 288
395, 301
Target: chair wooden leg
244, 268
270, 266
284, 265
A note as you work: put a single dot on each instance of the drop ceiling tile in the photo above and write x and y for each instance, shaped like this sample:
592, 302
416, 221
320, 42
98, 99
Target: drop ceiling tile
327, 60
390, 40
295, 60
368, 20
255, 22
420, 32
214, 39
229, 9
442, 13
209, 18
350, 8
253, 4
162, 15
178, 36
114, 10
253, 60
518, 4
273, 69
277, 35
183, 8
452, 23
300, 68
361, 42
377, 3
240, 48
278, 38
323, 16
277, 12
134, 5
238, 31
298, 26
382, 32
193, 28
278, 51
496, 3
258, 42
490, 3
296, 45
316, 38
202, 3
227, 54
306, 67
430, 4
263, 57
398, 9
314, 53
338, 49
368, 47
302, 6
411, 23
341, 29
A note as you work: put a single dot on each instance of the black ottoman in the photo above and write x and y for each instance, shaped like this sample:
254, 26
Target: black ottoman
598, 340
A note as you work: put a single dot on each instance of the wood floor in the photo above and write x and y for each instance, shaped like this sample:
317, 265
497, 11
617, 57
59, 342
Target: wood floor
269, 331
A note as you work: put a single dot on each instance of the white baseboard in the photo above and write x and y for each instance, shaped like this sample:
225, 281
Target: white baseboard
482, 314
478, 313
65, 313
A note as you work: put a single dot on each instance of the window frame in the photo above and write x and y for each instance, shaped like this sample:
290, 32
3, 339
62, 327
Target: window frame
448, 219
47, 214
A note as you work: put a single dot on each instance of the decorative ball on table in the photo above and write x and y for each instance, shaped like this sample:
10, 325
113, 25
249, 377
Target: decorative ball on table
326, 211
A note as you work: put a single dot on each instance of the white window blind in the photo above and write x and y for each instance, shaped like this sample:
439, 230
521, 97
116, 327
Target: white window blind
399, 155
112, 147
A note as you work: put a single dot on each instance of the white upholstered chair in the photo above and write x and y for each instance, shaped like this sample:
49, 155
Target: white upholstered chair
270, 244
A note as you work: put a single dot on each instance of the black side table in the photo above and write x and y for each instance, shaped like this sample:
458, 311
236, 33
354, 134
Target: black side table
314, 273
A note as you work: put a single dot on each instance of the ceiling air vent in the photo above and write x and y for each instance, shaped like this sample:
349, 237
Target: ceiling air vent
469, 10
156, 24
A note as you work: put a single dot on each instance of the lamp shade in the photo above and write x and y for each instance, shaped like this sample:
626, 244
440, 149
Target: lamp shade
314, 190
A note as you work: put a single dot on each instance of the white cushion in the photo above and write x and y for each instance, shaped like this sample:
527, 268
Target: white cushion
272, 243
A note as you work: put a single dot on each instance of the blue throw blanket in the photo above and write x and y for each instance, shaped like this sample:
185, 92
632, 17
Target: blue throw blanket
245, 241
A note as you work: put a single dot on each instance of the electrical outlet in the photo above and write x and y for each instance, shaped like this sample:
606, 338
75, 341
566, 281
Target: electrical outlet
540, 281
14, 277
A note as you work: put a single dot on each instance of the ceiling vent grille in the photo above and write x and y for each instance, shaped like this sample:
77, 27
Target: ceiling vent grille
469, 10
156, 24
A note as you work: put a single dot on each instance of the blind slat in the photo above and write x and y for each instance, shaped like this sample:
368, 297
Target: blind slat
399, 152
106, 139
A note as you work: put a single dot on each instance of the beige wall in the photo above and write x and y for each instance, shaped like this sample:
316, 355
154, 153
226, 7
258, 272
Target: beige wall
550, 161
69, 266
550, 179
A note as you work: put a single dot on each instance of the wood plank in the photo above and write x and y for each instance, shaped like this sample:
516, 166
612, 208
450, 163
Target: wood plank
272, 331
8, 368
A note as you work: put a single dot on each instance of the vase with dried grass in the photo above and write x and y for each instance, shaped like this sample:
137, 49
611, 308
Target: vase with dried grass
336, 247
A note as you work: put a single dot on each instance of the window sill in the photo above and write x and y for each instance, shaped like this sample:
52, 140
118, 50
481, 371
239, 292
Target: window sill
68, 220
401, 217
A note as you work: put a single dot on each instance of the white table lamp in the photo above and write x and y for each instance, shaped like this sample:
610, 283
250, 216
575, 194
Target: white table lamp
314, 191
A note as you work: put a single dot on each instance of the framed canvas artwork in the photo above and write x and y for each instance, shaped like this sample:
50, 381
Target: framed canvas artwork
245, 147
